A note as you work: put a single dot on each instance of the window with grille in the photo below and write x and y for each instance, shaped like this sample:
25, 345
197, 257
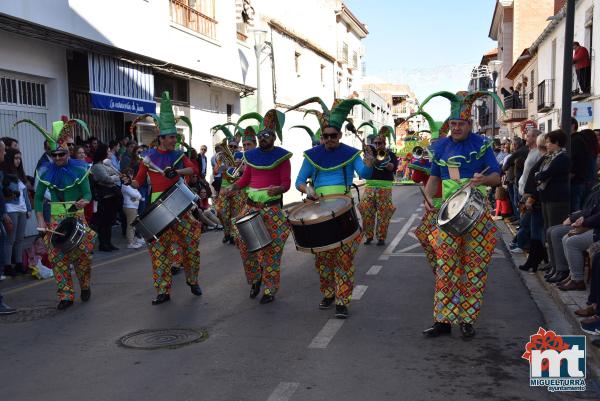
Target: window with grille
22, 93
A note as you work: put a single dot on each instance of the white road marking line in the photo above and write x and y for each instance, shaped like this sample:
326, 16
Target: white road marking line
390, 248
408, 248
413, 235
375, 269
283, 391
397, 220
358, 292
321, 340
420, 209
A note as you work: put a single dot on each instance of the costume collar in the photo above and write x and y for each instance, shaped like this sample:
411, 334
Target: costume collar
262, 160
324, 159
447, 153
61, 178
165, 158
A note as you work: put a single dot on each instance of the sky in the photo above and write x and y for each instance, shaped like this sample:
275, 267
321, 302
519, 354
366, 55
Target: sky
431, 45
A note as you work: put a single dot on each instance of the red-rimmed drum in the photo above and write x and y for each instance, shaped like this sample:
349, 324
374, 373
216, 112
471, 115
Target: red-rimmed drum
324, 224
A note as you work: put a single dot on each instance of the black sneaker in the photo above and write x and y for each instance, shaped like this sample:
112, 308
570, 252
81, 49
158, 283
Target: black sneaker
85, 295
225, 239
438, 329
368, 241
467, 331
341, 311
6, 310
195, 288
64, 304
326, 303
175, 270
161, 299
255, 290
380, 242
267, 299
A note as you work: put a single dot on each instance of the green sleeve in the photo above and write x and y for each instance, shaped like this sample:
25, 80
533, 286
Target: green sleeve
38, 199
86, 192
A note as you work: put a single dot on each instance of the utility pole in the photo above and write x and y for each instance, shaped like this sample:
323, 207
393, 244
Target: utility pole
565, 119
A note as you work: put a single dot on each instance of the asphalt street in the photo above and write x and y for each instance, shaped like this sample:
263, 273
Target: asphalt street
286, 350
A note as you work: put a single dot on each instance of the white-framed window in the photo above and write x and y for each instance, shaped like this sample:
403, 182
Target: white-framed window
21, 92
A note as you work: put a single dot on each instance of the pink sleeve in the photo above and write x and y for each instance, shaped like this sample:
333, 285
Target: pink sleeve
285, 170
245, 178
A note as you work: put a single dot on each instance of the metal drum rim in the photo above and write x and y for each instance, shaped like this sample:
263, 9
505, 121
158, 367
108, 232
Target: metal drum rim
302, 222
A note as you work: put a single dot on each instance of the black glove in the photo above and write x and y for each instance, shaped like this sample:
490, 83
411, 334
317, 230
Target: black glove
170, 173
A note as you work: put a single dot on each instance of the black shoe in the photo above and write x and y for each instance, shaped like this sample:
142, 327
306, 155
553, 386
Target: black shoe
112, 247
380, 242
86, 295
527, 268
9, 271
326, 303
6, 310
558, 277
267, 299
105, 248
368, 241
64, 304
161, 299
225, 239
467, 331
254, 290
175, 270
438, 329
550, 273
341, 311
546, 267
231, 241
20, 269
196, 290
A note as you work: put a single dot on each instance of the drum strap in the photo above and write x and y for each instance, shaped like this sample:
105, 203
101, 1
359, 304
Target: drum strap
346, 186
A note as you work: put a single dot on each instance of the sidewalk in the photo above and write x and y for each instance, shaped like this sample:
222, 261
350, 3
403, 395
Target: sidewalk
557, 306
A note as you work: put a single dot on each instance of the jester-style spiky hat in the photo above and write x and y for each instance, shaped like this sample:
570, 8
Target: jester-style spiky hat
337, 115
166, 121
389, 133
315, 138
462, 102
373, 133
273, 120
61, 132
436, 128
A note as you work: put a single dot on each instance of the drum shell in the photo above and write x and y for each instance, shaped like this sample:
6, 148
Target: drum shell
326, 234
254, 232
70, 240
165, 211
471, 212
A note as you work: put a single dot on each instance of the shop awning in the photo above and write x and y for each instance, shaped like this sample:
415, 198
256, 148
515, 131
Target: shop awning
117, 85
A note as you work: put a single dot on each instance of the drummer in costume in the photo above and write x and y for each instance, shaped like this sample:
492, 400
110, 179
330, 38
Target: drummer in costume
331, 168
69, 187
266, 178
185, 233
376, 203
228, 204
462, 261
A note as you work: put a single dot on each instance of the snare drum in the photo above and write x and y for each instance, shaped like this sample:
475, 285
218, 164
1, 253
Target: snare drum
461, 211
253, 231
325, 224
73, 231
165, 211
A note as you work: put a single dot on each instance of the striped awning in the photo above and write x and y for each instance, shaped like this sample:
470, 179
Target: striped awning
117, 85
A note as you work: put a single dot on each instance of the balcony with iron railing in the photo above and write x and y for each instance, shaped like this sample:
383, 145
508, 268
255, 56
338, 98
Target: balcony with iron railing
516, 108
190, 18
545, 98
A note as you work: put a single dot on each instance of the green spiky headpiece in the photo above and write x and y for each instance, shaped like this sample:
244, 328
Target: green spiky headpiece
388, 132
315, 138
62, 131
435, 127
373, 133
461, 103
337, 115
273, 120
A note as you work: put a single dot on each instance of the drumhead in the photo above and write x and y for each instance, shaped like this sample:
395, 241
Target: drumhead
455, 204
316, 212
247, 217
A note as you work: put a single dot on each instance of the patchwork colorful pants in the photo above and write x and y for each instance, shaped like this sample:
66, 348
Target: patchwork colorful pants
461, 271
376, 204
264, 265
80, 258
186, 236
425, 235
228, 207
336, 271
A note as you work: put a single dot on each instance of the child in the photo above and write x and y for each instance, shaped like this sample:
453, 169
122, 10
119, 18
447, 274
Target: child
503, 207
131, 202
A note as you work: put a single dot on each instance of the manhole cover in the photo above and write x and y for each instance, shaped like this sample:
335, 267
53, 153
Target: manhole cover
30, 314
162, 338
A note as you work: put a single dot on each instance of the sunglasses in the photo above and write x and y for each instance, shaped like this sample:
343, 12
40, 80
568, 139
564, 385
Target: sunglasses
70, 144
377, 143
60, 154
264, 135
330, 136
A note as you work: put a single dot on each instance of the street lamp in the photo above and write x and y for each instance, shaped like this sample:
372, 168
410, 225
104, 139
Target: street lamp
495, 64
260, 36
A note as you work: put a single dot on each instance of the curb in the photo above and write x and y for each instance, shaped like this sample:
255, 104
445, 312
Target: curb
552, 303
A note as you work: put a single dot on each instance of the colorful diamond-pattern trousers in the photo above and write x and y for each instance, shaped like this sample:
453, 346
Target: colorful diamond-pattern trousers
80, 258
186, 236
376, 205
336, 271
264, 265
461, 272
229, 206
425, 234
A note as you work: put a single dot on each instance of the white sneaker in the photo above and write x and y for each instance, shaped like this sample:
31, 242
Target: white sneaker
134, 245
139, 241
2, 277
517, 250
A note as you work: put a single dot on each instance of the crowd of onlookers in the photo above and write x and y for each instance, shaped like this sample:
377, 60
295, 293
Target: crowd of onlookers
558, 228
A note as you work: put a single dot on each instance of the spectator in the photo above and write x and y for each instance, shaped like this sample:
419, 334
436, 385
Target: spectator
581, 60
128, 156
217, 178
131, 203
532, 157
88, 151
107, 194
18, 208
123, 142
583, 158
591, 145
513, 166
10, 143
113, 154
4, 308
207, 215
93, 142
203, 161
592, 312
79, 153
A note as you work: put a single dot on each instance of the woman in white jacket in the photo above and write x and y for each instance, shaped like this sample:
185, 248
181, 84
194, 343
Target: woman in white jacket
131, 202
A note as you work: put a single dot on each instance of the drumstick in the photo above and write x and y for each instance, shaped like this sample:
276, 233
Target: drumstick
51, 231
424, 196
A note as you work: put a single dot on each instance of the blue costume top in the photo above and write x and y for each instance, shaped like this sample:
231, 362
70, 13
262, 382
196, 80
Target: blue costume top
332, 171
165, 159
262, 160
470, 156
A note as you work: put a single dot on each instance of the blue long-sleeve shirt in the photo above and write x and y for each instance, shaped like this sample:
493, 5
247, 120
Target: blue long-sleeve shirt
324, 178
